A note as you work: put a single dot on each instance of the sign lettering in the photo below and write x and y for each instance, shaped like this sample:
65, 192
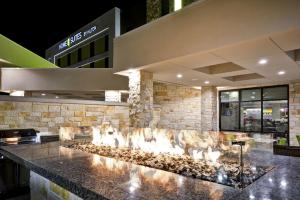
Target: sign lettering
76, 38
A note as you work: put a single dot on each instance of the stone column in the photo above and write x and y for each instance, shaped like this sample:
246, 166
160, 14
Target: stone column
294, 113
153, 9
209, 108
140, 99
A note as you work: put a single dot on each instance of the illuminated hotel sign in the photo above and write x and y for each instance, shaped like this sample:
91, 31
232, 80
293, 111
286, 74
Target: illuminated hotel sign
76, 38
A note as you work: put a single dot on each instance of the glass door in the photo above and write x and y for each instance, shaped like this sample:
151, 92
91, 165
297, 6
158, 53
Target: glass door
229, 107
256, 110
250, 115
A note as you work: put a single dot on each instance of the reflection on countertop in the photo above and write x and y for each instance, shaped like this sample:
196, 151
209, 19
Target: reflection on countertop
92, 177
89, 175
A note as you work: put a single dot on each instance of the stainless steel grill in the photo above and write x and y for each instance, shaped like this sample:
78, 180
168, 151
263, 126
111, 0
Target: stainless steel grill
14, 178
18, 136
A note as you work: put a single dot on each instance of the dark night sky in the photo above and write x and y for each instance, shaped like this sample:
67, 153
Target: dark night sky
38, 24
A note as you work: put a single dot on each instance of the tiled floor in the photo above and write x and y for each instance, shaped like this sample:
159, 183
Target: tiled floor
283, 182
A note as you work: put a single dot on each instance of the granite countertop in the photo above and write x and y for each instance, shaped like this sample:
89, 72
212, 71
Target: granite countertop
95, 177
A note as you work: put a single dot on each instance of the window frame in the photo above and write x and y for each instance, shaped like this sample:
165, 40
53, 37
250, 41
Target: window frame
261, 102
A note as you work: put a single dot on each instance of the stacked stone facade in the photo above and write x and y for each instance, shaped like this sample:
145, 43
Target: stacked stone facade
50, 116
209, 108
294, 110
177, 107
153, 9
140, 99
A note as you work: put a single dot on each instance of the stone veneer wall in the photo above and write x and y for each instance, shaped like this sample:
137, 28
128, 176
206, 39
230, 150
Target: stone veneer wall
294, 116
176, 107
50, 116
140, 99
209, 108
153, 9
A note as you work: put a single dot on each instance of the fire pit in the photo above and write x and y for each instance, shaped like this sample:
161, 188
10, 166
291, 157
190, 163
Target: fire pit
207, 156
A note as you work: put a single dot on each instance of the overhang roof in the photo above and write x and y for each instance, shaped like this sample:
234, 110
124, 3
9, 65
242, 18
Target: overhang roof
14, 55
216, 40
62, 79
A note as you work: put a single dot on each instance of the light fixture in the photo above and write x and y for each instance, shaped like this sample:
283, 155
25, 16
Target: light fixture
56, 97
270, 180
17, 93
283, 183
179, 75
43, 94
177, 4
131, 70
281, 72
263, 61
206, 82
197, 87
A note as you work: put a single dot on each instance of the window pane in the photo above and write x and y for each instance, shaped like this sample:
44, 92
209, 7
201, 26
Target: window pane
100, 64
275, 116
79, 54
100, 46
58, 63
64, 61
229, 96
229, 116
251, 116
165, 7
85, 52
275, 93
251, 95
74, 57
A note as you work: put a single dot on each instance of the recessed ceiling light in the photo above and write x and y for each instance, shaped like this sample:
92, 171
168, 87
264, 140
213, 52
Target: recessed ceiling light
131, 70
206, 82
43, 94
262, 61
198, 87
179, 75
281, 73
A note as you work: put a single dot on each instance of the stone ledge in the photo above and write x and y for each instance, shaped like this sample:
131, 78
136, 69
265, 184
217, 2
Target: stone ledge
62, 101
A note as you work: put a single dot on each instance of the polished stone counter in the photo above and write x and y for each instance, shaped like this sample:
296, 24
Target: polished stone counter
94, 177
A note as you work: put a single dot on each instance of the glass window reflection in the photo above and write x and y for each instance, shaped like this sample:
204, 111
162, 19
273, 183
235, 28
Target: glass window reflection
275, 116
230, 116
229, 96
251, 95
251, 116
